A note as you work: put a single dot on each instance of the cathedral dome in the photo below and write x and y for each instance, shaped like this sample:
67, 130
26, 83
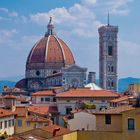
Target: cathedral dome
51, 49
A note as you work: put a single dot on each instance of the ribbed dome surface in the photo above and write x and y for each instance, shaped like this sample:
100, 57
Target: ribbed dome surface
51, 49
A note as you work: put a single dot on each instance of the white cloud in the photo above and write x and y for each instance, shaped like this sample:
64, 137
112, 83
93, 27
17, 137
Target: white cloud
78, 26
76, 20
9, 13
6, 35
116, 7
80, 19
13, 14
89, 2
4, 10
128, 58
9, 38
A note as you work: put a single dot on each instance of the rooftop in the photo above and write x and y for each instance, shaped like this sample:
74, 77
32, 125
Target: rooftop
86, 92
39, 109
44, 93
120, 99
51, 129
21, 111
116, 110
5, 113
33, 118
9, 97
42, 133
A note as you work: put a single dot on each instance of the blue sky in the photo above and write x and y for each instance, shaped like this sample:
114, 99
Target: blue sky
23, 22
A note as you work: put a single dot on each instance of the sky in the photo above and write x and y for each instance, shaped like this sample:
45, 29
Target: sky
24, 22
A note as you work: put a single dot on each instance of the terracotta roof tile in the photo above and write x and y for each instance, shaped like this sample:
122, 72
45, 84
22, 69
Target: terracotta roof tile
116, 110
39, 109
33, 118
33, 137
51, 49
15, 138
21, 84
43, 110
88, 93
9, 97
120, 99
51, 128
4, 113
21, 111
44, 93
53, 109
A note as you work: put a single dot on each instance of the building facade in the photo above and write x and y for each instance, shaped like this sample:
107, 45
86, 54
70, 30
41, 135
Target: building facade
108, 57
91, 77
51, 63
7, 122
134, 88
82, 120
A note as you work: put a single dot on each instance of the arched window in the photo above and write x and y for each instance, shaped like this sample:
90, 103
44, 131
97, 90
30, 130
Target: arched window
108, 68
37, 73
108, 83
110, 50
112, 84
54, 71
112, 69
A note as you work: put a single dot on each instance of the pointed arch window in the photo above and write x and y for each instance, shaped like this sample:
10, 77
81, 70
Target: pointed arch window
112, 69
108, 68
112, 84
110, 50
108, 83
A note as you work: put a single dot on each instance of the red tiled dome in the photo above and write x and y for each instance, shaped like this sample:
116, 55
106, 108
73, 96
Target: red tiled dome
51, 49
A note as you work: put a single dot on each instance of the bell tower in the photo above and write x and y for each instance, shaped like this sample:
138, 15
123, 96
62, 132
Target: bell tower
108, 56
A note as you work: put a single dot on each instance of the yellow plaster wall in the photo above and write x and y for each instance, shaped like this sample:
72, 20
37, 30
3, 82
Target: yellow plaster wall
70, 136
116, 123
24, 126
134, 87
96, 135
131, 134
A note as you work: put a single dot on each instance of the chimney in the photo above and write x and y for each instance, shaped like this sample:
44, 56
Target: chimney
55, 130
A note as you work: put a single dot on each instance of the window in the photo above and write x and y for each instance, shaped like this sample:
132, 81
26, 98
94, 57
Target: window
107, 119
5, 124
42, 99
108, 83
68, 110
0, 125
37, 73
19, 123
112, 69
91, 101
131, 125
13, 122
110, 50
108, 68
9, 123
54, 71
28, 123
47, 99
112, 84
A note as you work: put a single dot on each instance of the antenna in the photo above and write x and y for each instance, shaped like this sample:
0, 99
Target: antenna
108, 19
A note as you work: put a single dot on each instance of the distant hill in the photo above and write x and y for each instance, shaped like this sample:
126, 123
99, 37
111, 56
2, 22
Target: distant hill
12, 78
7, 83
123, 82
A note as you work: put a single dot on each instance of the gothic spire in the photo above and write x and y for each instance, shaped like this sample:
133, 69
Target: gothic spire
108, 19
50, 28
